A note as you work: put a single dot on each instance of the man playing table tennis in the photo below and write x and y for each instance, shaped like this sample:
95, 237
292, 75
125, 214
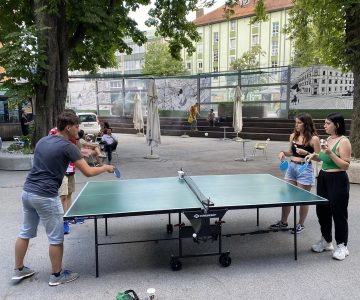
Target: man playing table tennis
40, 198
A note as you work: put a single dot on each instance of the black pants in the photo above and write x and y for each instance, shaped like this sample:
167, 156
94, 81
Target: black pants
335, 187
109, 148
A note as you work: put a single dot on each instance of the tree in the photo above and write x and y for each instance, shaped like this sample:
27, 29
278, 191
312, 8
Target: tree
329, 32
249, 59
158, 61
43, 39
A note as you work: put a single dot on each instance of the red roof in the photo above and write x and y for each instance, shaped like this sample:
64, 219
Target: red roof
217, 15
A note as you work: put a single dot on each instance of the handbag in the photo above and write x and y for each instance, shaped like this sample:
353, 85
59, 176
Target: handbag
127, 295
190, 119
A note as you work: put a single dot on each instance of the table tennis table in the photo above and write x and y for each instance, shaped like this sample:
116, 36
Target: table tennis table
213, 196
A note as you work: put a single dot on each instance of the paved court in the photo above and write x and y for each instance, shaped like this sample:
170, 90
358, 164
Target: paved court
263, 266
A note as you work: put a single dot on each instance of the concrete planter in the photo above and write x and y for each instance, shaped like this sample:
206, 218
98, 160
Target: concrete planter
15, 161
354, 171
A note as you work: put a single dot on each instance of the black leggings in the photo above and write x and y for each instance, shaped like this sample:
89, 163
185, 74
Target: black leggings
335, 187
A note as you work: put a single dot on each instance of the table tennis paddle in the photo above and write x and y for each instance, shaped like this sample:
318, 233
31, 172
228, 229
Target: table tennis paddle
284, 165
117, 172
303, 167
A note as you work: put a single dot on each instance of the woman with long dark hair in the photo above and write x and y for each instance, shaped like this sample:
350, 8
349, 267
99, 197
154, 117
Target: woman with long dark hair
333, 184
303, 141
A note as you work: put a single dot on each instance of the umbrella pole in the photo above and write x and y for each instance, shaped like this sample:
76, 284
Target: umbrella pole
237, 139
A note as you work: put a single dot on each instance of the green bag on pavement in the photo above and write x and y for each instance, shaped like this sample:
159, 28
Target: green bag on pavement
127, 295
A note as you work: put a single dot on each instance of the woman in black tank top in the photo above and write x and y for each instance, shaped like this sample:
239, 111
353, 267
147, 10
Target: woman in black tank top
303, 141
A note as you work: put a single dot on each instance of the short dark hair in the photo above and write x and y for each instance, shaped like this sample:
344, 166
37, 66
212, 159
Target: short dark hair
339, 122
67, 118
70, 110
81, 133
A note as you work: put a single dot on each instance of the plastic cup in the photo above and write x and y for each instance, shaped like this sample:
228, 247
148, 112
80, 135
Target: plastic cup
181, 174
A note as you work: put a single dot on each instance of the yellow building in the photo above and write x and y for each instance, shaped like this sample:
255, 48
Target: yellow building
223, 41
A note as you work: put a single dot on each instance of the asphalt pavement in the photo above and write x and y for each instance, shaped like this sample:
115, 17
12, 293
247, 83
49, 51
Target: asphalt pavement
263, 265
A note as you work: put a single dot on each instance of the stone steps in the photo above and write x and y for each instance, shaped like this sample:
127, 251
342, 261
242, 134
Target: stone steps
255, 129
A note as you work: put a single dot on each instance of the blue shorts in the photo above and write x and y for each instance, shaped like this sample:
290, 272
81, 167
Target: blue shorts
305, 178
49, 211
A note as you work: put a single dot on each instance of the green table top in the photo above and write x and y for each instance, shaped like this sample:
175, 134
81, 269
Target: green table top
169, 194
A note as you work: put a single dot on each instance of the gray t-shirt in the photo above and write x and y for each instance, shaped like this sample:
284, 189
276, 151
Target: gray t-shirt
51, 158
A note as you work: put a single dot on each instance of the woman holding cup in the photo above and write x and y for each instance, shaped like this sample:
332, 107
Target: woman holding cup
333, 184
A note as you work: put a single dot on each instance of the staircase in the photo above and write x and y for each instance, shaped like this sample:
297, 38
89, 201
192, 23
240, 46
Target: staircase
253, 128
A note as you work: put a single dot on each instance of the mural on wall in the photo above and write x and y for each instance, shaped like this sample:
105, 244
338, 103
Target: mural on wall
321, 87
179, 94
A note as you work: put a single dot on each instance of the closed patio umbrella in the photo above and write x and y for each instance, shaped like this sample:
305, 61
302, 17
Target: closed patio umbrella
138, 119
153, 135
237, 113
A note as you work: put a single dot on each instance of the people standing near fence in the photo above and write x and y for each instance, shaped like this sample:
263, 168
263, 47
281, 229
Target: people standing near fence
303, 141
194, 113
25, 123
333, 184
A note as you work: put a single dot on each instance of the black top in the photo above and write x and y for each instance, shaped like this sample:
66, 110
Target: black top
24, 127
307, 148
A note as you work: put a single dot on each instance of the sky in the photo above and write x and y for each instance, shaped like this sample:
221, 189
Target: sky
141, 15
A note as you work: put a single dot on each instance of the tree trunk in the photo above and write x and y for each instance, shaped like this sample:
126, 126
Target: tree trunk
355, 123
352, 39
51, 94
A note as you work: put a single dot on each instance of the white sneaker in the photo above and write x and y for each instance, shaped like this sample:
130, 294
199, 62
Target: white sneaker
322, 245
340, 252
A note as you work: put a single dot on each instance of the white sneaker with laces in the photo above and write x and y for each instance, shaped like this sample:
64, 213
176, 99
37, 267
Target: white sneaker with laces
340, 252
322, 245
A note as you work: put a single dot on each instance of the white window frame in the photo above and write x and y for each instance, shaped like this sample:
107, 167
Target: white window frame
275, 28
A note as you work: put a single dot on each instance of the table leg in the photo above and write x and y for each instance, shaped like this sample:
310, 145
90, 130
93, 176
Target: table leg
96, 248
295, 234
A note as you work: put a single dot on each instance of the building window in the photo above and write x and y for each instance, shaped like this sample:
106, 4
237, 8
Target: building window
200, 65
216, 37
232, 58
275, 28
188, 66
324, 72
323, 90
315, 80
330, 81
274, 48
233, 25
274, 63
216, 55
199, 48
232, 43
329, 89
255, 39
323, 81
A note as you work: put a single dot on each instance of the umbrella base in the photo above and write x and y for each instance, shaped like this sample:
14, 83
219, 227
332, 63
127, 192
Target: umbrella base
152, 156
237, 139
184, 136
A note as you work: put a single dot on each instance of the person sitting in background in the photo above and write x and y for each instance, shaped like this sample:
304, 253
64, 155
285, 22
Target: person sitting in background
103, 129
211, 118
110, 143
87, 149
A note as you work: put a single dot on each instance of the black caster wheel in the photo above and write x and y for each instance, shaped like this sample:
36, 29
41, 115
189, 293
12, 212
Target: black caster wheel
169, 228
225, 260
175, 264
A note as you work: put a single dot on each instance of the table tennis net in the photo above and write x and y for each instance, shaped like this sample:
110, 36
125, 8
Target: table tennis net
196, 190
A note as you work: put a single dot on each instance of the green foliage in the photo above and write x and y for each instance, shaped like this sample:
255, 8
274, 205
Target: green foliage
159, 62
328, 32
249, 59
260, 12
320, 32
